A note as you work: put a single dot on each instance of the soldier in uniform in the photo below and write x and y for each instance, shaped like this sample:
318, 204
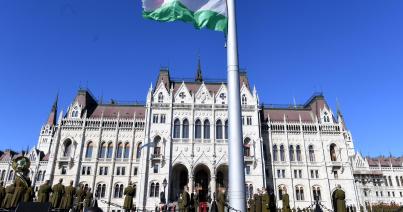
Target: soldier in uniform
2, 193
221, 199
186, 199
340, 200
181, 205
43, 192
88, 198
258, 202
68, 197
196, 201
251, 203
129, 194
20, 188
29, 195
265, 201
9, 196
80, 194
286, 202
57, 194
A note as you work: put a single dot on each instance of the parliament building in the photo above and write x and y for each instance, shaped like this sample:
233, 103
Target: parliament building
179, 137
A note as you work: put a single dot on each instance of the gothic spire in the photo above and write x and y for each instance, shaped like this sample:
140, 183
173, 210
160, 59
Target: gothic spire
199, 77
53, 112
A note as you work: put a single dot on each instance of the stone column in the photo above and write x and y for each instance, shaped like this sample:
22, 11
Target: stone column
213, 184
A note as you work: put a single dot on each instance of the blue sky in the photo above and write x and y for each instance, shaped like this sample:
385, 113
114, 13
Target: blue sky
349, 49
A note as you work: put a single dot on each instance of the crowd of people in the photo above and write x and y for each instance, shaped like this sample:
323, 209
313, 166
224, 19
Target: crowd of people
59, 196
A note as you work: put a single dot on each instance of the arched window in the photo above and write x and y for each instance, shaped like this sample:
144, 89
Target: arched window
299, 193
88, 152
152, 190
275, 153
43, 175
244, 100
198, 129
282, 156
281, 191
333, 152
299, 153
67, 148
316, 193
116, 191
121, 191
109, 150
206, 132
226, 129
160, 97
177, 127
39, 176
119, 152
401, 181
103, 190
138, 153
98, 191
3, 175
185, 129
397, 181
157, 189
157, 148
102, 151
127, 150
390, 181
218, 129
292, 157
11, 175
246, 147
311, 153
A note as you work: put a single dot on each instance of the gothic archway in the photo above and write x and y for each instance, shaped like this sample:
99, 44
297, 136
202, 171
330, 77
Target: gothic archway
202, 178
179, 178
222, 176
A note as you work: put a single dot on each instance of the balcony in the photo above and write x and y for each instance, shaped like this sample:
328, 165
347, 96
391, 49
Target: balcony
248, 159
156, 157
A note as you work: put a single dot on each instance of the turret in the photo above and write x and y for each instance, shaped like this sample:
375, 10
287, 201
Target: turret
53, 113
199, 77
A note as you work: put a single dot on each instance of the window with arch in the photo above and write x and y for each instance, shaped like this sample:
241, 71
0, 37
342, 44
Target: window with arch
281, 191
101, 190
282, 155
226, 129
299, 158
160, 97
311, 153
102, 150
326, 118
154, 189
291, 150
299, 193
88, 152
390, 181
118, 191
275, 153
157, 148
39, 176
10, 175
218, 129
206, 128
244, 100
249, 191
246, 147
3, 175
198, 129
401, 181
67, 148
43, 175
127, 150
177, 128
185, 129
332, 151
119, 152
316, 193
138, 153
109, 150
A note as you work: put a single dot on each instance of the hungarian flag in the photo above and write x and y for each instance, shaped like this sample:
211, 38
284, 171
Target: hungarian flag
211, 14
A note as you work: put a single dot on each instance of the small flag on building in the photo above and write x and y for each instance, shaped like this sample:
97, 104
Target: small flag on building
211, 14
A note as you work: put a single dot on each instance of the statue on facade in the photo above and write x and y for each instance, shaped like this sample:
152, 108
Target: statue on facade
68, 197
9, 196
2, 193
129, 194
21, 166
88, 198
80, 194
340, 197
286, 202
44, 192
57, 194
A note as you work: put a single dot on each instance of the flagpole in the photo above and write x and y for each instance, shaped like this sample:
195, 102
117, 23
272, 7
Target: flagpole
236, 171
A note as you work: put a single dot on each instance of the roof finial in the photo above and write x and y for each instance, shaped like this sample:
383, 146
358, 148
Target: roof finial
199, 77
54, 106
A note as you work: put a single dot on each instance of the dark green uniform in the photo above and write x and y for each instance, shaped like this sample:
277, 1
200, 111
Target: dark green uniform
221, 201
29, 195
286, 203
68, 197
186, 201
251, 203
2, 194
19, 192
88, 199
181, 205
129, 194
196, 202
258, 202
80, 193
57, 194
9, 196
265, 202
43, 193
340, 200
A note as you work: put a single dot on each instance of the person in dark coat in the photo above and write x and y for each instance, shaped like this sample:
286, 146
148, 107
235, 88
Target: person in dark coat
181, 205
2, 193
68, 197
88, 198
21, 187
44, 192
80, 194
258, 201
29, 195
265, 201
129, 194
340, 196
57, 194
221, 199
186, 199
9, 196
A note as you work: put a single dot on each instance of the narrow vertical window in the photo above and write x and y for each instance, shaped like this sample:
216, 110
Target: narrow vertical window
218, 129
198, 129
